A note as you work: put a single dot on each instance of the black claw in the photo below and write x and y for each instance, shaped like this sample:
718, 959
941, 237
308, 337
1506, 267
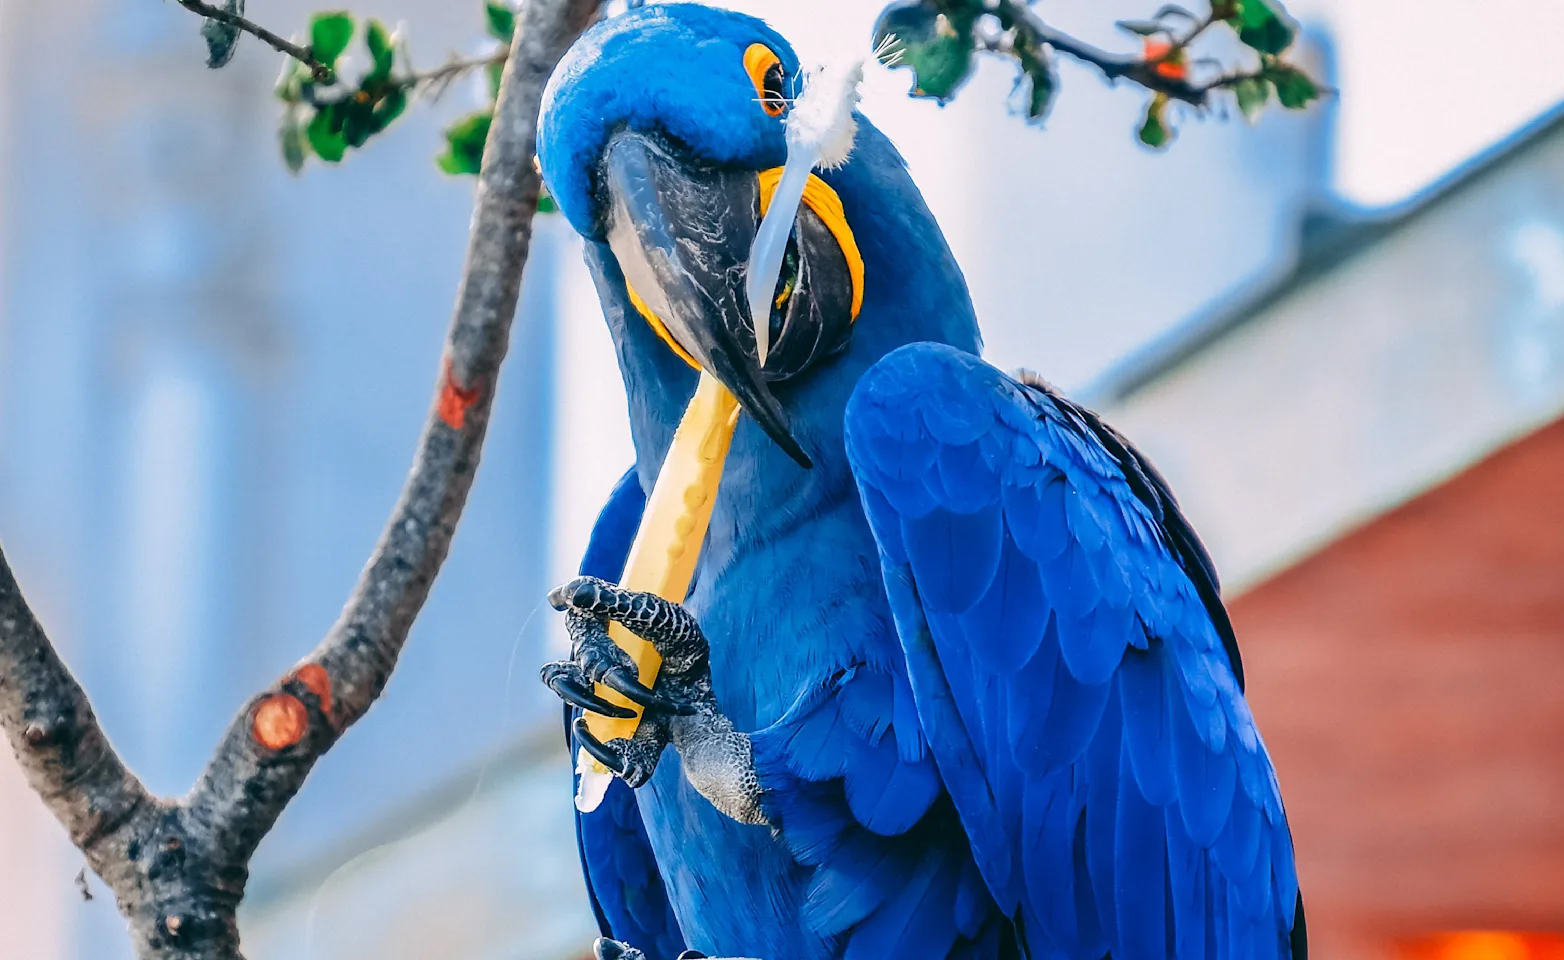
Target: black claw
557, 598
621, 681
624, 682
601, 752
571, 692
691, 955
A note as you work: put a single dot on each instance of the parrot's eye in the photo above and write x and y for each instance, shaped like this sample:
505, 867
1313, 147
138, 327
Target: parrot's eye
765, 72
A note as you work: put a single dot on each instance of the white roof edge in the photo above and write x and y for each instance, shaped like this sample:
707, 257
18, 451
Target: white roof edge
1412, 350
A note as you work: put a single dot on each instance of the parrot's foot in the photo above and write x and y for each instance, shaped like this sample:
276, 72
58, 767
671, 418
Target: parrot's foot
680, 708
606, 949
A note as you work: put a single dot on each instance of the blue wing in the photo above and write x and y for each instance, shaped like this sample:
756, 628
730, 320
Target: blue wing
1074, 674
626, 889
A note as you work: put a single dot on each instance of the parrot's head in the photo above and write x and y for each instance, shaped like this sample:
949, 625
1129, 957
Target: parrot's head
688, 147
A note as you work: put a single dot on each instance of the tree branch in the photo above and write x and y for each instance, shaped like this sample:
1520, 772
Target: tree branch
321, 71
62, 750
178, 868
339, 681
1031, 29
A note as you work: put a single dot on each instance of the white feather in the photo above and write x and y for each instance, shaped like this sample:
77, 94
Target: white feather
820, 133
822, 117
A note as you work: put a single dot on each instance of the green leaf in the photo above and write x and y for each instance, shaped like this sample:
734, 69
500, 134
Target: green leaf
291, 138
382, 53
1263, 25
1143, 28
1294, 88
325, 135
388, 109
330, 34
502, 20
1040, 83
358, 118
1253, 93
938, 48
464, 144
1154, 131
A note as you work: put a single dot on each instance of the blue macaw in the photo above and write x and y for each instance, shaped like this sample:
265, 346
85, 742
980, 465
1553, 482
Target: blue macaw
954, 678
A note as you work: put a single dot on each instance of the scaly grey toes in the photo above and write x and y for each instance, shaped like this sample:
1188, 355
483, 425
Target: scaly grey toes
594, 659
717, 759
589, 604
591, 646
667, 626
633, 760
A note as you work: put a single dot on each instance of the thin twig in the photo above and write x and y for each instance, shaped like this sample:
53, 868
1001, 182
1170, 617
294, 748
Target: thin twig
1201, 26
321, 71
1135, 69
178, 868
441, 77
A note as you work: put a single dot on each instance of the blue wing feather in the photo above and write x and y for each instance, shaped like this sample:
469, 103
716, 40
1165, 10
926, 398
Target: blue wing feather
1144, 695
1140, 871
624, 885
954, 556
1074, 672
1006, 624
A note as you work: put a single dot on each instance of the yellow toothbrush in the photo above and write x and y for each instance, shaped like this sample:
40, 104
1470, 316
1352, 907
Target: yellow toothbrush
662, 559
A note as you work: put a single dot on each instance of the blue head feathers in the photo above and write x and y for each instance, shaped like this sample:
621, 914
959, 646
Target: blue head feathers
659, 128
678, 70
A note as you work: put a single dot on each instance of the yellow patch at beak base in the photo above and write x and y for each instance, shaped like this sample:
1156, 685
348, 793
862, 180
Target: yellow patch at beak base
826, 204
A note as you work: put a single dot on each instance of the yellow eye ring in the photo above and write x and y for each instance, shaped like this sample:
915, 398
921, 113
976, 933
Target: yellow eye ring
765, 72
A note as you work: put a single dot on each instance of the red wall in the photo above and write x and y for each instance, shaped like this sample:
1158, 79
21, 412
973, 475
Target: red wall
1409, 680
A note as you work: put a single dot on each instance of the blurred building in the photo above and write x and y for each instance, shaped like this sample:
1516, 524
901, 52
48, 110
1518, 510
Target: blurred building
1373, 451
212, 377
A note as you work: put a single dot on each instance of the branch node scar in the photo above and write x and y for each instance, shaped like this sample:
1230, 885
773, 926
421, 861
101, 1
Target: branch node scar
456, 400
280, 721
315, 679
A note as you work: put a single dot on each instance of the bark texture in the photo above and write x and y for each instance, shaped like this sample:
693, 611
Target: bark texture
178, 867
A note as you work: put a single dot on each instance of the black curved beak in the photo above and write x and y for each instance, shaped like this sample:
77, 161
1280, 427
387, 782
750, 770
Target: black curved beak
682, 235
